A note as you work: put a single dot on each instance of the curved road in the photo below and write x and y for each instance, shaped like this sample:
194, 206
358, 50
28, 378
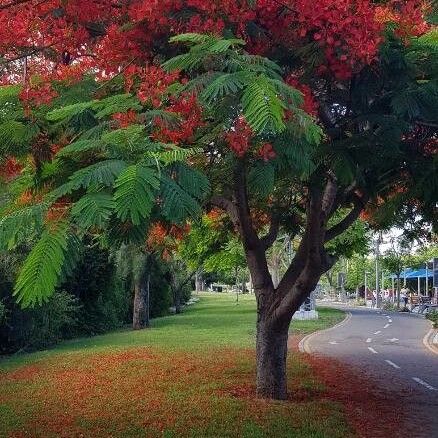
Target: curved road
388, 347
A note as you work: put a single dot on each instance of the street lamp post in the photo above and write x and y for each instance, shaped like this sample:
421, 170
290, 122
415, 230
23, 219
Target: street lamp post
377, 242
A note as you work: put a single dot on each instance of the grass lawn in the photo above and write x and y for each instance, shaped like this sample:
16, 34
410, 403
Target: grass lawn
191, 375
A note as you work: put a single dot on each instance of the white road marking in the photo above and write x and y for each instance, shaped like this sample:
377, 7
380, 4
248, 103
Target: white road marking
392, 364
386, 326
422, 382
372, 350
435, 339
392, 340
377, 332
333, 342
369, 340
389, 320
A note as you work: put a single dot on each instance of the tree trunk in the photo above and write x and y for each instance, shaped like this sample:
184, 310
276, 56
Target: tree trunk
198, 282
140, 315
271, 351
177, 301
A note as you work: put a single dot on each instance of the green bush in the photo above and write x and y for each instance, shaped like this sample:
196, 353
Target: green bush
105, 303
40, 327
3, 313
433, 316
389, 306
160, 295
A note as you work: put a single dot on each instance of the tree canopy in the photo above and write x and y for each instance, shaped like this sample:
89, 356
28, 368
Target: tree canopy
288, 115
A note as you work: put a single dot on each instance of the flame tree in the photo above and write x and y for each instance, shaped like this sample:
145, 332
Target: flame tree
287, 114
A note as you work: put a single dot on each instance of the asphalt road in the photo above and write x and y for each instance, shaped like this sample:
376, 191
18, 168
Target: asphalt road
388, 348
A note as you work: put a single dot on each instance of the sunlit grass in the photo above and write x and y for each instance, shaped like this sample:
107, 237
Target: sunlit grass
190, 375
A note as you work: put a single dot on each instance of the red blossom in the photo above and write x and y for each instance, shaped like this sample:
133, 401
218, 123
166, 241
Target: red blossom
187, 108
125, 119
154, 83
310, 105
10, 168
266, 152
239, 137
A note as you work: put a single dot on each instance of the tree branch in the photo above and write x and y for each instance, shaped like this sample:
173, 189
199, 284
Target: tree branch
268, 240
249, 236
329, 195
340, 227
226, 205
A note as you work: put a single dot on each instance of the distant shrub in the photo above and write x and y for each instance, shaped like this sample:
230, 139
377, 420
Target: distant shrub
433, 316
389, 306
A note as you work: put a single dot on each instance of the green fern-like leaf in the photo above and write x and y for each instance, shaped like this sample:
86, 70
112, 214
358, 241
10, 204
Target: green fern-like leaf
79, 146
15, 136
289, 94
42, 268
227, 83
168, 119
135, 193
262, 107
193, 38
205, 45
72, 258
17, 225
69, 111
192, 181
262, 178
118, 103
173, 154
177, 204
102, 173
254, 64
93, 209
127, 137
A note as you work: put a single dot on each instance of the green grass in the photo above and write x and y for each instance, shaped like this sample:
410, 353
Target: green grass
190, 375
215, 321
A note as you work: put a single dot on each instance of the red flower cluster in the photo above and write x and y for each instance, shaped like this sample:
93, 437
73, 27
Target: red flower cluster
116, 33
38, 94
239, 137
188, 109
58, 210
266, 152
10, 168
408, 15
166, 238
154, 83
310, 105
125, 119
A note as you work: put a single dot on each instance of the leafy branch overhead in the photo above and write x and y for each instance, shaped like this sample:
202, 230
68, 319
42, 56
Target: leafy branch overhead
107, 178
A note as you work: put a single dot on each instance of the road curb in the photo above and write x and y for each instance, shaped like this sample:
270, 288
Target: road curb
304, 345
430, 340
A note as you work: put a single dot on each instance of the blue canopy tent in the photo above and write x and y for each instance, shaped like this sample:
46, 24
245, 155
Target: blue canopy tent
416, 274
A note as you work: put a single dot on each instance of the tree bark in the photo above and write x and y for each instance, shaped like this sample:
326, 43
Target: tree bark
271, 354
198, 282
140, 314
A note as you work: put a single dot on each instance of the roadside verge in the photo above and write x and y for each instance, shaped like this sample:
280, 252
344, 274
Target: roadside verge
430, 340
